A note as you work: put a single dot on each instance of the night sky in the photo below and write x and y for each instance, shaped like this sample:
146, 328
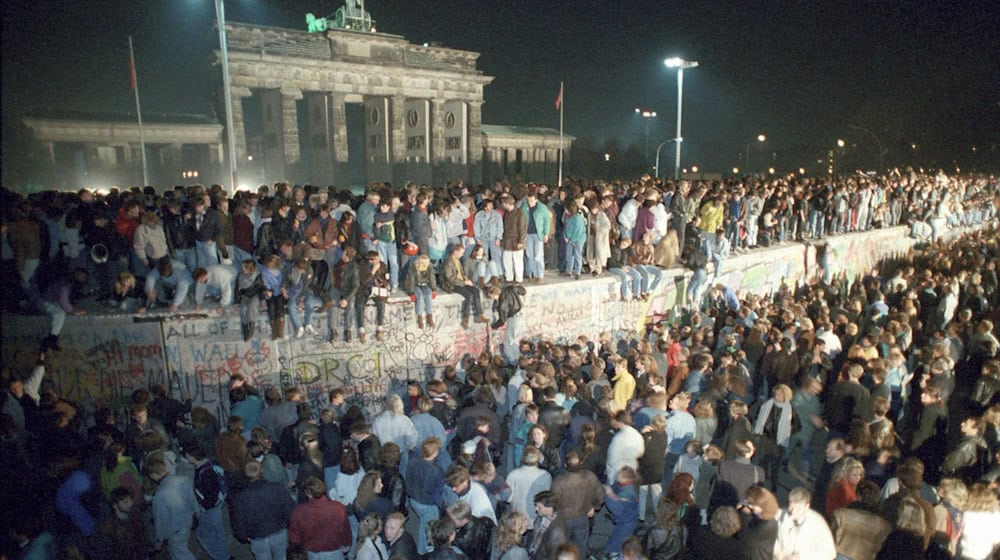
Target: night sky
924, 74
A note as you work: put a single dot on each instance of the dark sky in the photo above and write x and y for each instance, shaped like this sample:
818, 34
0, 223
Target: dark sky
924, 73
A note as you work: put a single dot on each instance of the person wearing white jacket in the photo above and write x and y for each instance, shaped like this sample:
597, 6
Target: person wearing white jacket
150, 241
802, 532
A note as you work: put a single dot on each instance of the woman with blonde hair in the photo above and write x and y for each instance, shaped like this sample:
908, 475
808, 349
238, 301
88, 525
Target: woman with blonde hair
948, 512
369, 545
843, 490
776, 422
507, 538
981, 518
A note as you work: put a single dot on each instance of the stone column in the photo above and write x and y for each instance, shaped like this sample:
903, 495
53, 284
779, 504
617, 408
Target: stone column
397, 137
475, 132
290, 127
239, 128
338, 116
49, 149
338, 124
397, 129
437, 131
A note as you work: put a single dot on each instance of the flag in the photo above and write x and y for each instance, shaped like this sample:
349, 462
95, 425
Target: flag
131, 66
559, 98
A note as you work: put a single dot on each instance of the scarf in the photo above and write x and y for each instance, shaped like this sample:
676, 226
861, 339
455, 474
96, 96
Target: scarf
784, 420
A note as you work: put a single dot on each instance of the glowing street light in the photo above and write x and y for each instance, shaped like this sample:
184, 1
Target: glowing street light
736, 171
680, 64
840, 143
647, 115
760, 138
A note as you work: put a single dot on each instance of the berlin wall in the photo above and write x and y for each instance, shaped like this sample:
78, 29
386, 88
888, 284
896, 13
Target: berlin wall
105, 358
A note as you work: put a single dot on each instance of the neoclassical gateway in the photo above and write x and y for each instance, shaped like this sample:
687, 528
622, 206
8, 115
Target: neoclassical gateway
342, 107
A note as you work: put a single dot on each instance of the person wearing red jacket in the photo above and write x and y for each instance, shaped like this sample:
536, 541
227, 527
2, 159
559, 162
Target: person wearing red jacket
320, 525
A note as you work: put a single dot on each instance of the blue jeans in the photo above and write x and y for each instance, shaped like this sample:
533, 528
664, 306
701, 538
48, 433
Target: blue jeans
271, 547
647, 272
511, 349
534, 256
487, 270
57, 317
328, 555
330, 475
697, 282
388, 253
212, 534
816, 223
426, 514
423, 303
631, 280
177, 545
574, 257
187, 256
208, 253
296, 316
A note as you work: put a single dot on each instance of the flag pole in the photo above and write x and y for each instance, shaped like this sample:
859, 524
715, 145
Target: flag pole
138, 110
561, 102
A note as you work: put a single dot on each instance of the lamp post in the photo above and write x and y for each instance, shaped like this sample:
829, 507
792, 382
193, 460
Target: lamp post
647, 116
656, 166
760, 138
680, 64
881, 150
220, 16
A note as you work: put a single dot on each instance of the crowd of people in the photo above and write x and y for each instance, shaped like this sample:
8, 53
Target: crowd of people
853, 418
296, 251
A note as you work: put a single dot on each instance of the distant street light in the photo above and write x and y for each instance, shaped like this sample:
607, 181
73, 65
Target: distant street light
840, 143
736, 171
680, 64
760, 138
881, 150
646, 115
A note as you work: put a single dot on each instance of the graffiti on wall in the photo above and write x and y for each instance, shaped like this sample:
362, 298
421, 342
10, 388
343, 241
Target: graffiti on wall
105, 358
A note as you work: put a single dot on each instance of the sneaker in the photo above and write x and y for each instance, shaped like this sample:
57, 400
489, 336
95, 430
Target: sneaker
310, 330
299, 332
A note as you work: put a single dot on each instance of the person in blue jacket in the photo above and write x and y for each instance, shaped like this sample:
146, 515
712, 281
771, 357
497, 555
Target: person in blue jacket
574, 235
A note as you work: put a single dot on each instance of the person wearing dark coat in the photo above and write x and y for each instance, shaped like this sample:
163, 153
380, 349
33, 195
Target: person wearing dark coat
717, 540
929, 441
369, 446
760, 524
442, 537
473, 535
261, 510
398, 541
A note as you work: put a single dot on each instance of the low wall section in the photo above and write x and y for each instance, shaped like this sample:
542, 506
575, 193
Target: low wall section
104, 358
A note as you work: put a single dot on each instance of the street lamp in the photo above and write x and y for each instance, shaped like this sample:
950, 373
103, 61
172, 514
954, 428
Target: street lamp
680, 64
646, 115
220, 18
760, 138
656, 166
881, 150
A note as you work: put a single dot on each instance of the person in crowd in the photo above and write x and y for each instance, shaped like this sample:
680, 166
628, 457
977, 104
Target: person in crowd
454, 280
802, 532
473, 533
173, 509
261, 512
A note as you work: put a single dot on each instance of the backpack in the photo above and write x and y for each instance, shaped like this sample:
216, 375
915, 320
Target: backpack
210, 487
